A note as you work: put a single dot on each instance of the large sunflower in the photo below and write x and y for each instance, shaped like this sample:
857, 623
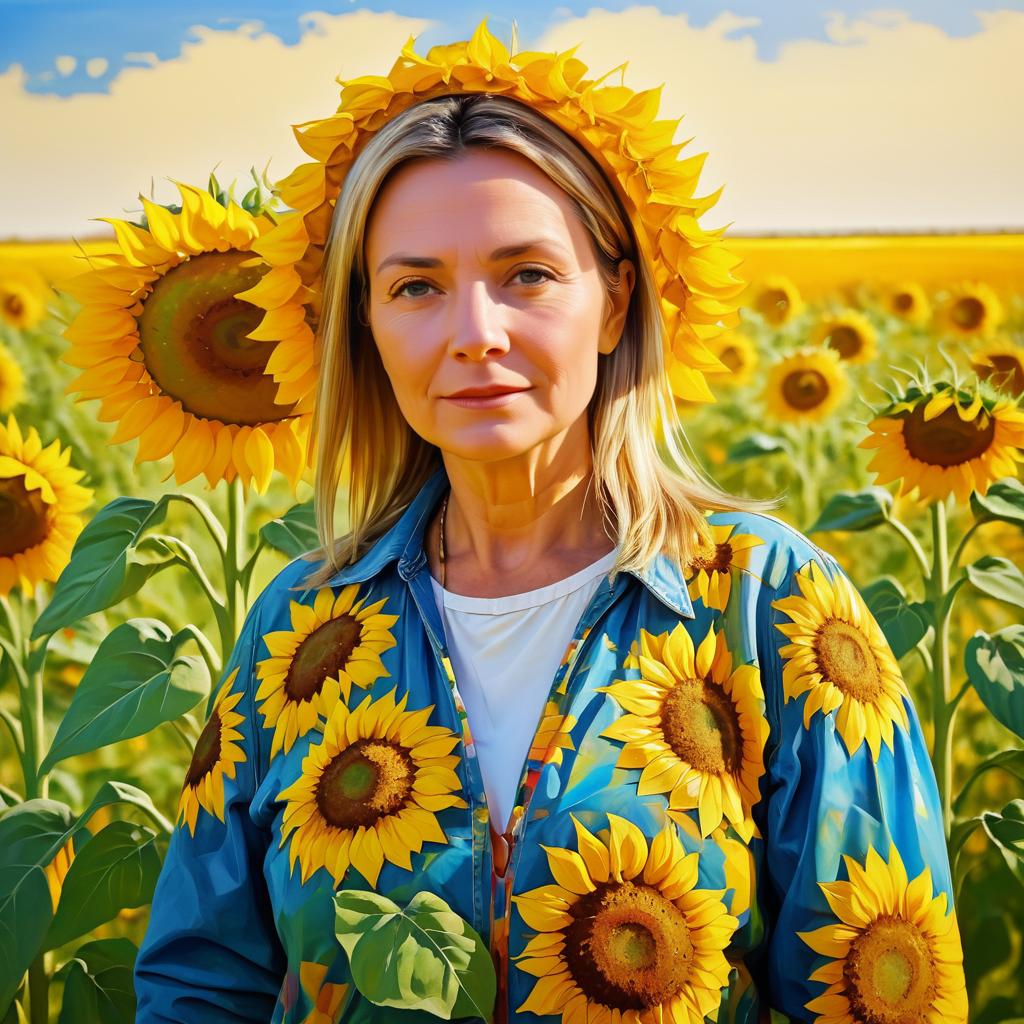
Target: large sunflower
39, 506
969, 310
695, 727
944, 440
1001, 363
694, 271
839, 657
776, 299
710, 573
908, 301
850, 333
334, 643
740, 357
894, 952
216, 753
369, 790
171, 345
805, 386
624, 934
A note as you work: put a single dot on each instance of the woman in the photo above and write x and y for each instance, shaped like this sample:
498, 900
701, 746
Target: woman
640, 735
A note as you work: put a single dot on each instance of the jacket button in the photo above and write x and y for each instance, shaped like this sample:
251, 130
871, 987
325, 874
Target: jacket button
501, 848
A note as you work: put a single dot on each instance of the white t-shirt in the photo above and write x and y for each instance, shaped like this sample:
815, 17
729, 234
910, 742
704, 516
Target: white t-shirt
505, 652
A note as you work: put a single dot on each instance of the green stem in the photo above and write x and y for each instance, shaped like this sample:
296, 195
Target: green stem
214, 528
235, 590
912, 543
38, 991
942, 709
810, 452
963, 542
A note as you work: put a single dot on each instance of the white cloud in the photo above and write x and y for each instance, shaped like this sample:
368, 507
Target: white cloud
96, 66
65, 64
896, 126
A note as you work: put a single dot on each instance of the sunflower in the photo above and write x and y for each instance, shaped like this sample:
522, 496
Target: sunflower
624, 933
776, 299
12, 380
709, 574
553, 735
850, 333
334, 643
39, 506
694, 270
1002, 364
894, 952
23, 295
969, 310
805, 386
740, 357
946, 440
908, 301
839, 657
216, 753
169, 343
695, 727
370, 789
56, 871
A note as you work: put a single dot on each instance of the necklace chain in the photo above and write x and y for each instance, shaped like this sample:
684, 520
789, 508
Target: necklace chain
440, 537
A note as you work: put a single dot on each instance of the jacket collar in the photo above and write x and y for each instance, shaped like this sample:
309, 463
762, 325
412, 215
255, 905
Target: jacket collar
404, 541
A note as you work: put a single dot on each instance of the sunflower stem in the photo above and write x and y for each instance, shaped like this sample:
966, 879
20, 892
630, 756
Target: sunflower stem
38, 991
904, 531
235, 588
214, 528
943, 710
963, 540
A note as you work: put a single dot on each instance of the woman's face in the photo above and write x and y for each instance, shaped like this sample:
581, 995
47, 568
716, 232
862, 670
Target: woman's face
450, 310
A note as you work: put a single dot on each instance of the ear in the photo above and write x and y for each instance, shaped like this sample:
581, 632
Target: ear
616, 306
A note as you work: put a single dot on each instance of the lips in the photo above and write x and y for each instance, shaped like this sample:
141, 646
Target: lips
484, 392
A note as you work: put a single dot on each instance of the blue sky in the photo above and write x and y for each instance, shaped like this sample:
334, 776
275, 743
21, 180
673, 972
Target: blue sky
70, 47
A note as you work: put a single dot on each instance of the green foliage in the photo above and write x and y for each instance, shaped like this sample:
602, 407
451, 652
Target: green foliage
995, 667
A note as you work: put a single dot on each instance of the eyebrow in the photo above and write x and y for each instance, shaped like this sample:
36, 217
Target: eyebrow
502, 253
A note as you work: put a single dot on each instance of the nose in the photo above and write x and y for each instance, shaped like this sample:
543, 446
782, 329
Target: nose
478, 327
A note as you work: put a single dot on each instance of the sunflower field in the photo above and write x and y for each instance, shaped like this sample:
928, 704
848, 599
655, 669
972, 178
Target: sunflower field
156, 473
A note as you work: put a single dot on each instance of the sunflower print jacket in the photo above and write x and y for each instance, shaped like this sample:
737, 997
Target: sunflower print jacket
728, 806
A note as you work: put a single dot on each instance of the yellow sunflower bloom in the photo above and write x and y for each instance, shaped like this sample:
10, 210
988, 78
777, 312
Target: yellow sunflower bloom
23, 295
969, 310
333, 644
740, 357
777, 299
850, 333
695, 726
553, 735
624, 933
839, 657
12, 380
370, 790
42, 503
216, 753
945, 441
709, 575
894, 953
1001, 363
168, 343
56, 871
908, 301
805, 386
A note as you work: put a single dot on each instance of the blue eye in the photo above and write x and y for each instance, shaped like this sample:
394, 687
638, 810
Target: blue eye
400, 290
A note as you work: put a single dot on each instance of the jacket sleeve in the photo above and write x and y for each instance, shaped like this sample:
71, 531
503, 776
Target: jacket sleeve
211, 951
859, 908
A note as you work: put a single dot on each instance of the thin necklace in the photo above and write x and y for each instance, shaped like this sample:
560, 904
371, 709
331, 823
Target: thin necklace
440, 538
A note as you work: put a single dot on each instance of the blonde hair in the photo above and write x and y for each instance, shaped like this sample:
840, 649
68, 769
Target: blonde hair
645, 481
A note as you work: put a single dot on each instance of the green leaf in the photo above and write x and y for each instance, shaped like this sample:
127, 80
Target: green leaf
107, 563
1004, 500
117, 868
995, 667
1011, 761
30, 836
1006, 830
425, 957
138, 680
999, 578
904, 623
294, 533
755, 446
854, 510
98, 984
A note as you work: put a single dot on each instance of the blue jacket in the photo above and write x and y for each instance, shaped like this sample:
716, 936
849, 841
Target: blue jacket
728, 804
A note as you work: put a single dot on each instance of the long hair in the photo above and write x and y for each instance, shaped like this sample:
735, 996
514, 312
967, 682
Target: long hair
649, 489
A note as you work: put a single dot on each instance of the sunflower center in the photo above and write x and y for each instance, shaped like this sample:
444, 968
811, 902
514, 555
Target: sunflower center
718, 562
773, 304
24, 516
730, 355
13, 304
1006, 372
322, 655
968, 313
804, 389
701, 725
206, 753
365, 782
903, 302
192, 333
846, 340
628, 947
847, 661
947, 440
890, 973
